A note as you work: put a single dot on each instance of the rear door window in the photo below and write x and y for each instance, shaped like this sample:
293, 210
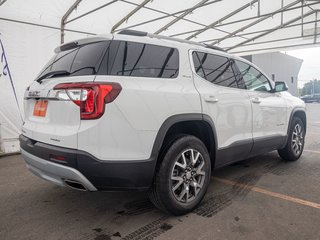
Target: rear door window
215, 69
140, 60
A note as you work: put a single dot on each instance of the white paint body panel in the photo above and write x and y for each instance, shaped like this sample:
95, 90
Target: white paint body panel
269, 116
231, 113
129, 126
62, 121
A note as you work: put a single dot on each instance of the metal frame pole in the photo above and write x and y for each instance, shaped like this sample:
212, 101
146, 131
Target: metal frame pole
65, 17
165, 27
316, 28
271, 31
245, 52
260, 31
243, 20
221, 19
130, 14
2, 2
256, 22
91, 11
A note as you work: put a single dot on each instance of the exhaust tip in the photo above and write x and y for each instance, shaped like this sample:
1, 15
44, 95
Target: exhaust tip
75, 185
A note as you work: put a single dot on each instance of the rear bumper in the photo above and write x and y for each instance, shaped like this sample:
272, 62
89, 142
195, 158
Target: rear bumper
94, 174
53, 172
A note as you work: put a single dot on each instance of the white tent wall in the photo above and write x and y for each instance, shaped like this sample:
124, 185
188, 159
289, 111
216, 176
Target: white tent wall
27, 50
241, 27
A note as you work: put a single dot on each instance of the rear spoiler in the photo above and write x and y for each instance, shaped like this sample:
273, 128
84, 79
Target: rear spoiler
77, 43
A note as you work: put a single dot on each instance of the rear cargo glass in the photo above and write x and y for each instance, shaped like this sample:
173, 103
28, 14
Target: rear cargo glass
84, 60
119, 58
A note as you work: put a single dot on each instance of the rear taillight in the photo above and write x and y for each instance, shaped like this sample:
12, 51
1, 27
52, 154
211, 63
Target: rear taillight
90, 97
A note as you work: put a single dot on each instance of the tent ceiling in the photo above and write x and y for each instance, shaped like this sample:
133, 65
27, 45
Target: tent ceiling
241, 27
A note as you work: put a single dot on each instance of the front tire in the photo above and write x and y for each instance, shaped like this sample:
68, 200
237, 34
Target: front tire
183, 176
295, 142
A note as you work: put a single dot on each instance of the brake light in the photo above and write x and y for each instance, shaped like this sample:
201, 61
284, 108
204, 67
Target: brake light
90, 97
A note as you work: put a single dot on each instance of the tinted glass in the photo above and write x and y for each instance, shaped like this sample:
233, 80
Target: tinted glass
215, 69
254, 79
60, 61
88, 58
47, 67
140, 60
64, 60
238, 76
84, 60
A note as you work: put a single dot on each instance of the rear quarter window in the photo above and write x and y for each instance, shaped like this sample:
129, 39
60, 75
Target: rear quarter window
88, 59
140, 60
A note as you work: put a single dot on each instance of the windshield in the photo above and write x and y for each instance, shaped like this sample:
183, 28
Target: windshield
83, 60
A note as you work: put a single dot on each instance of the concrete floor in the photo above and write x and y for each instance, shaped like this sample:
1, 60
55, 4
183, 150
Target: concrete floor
260, 198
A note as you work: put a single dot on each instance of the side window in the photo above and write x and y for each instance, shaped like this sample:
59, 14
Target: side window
140, 60
253, 79
216, 69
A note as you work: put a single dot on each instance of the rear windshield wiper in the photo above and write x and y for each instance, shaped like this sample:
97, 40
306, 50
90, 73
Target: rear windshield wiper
52, 74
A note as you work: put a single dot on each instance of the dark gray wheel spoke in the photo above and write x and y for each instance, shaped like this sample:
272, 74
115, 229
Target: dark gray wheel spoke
297, 139
182, 193
182, 165
188, 175
199, 169
194, 157
178, 184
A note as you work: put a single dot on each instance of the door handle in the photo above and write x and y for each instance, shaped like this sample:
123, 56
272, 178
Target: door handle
256, 100
211, 99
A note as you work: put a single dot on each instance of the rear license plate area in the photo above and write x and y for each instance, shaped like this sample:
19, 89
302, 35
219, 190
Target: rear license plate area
40, 108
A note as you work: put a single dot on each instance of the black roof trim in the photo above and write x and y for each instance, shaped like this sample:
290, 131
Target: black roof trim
133, 33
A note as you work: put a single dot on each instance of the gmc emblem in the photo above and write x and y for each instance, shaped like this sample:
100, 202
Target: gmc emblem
34, 94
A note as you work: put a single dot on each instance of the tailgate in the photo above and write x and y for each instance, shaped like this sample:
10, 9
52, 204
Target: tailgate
49, 119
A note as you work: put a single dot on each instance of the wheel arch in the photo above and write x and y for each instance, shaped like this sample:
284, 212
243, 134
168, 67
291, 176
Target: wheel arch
196, 124
300, 113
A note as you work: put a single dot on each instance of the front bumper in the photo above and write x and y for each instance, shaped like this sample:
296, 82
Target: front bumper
79, 166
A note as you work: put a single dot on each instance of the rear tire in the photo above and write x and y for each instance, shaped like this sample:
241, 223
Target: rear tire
295, 142
183, 176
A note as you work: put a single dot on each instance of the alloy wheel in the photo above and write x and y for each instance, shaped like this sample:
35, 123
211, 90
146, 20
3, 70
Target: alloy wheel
297, 139
188, 176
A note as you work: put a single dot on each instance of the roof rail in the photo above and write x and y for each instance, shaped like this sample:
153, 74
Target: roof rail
133, 33
214, 47
151, 35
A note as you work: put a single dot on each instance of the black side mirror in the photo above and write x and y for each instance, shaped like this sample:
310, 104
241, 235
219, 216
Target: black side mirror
280, 87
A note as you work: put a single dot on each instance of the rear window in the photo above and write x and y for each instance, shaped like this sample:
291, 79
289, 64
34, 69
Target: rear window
119, 58
84, 60
140, 60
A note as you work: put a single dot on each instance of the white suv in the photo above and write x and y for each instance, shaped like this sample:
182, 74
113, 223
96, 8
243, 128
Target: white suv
136, 111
